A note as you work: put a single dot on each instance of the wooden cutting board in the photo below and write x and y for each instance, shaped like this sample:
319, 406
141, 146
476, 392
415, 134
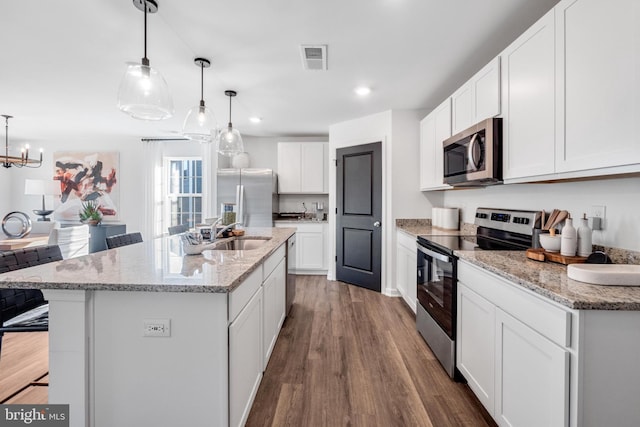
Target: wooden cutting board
540, 254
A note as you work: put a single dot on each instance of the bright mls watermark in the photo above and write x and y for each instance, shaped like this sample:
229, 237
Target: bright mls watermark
34, 415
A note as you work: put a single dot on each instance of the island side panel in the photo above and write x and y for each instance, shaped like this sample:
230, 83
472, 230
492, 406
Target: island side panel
69, 330
177, 380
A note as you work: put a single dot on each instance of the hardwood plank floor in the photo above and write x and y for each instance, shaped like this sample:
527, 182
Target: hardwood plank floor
347, 356
24, 359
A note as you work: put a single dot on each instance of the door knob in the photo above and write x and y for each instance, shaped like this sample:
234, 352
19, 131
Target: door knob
377, 224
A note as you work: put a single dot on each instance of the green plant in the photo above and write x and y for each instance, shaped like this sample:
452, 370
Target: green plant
90, 212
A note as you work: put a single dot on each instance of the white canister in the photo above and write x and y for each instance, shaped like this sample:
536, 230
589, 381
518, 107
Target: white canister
450, 218
436, 217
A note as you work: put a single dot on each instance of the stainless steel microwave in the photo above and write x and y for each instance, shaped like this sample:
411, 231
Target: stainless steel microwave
473, 157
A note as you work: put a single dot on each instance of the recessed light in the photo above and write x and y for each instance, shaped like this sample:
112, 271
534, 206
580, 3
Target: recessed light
255, 119
363, 90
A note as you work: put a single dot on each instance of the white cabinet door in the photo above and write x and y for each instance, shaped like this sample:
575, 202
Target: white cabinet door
478, 98
303, 167
310, 255
475, 346
434, 129
532, 376
245, 359
289, 166
406, 268
528, 106
312, 171
598, 84
462, 108
274, 308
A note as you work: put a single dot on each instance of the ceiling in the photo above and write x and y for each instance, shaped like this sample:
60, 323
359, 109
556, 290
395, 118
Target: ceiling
62, 60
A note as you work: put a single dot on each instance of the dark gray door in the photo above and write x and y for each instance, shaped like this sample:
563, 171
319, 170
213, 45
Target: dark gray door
359, 215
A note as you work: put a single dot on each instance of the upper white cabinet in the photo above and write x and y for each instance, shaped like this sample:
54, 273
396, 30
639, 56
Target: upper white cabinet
528, 67
434, 129
571, 95
478, 98
598, 84
303, 167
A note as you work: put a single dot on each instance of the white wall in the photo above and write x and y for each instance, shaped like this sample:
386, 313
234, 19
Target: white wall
130, 176
620, 196
6, 187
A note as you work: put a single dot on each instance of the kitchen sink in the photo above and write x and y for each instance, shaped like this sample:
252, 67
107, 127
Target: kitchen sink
605, 274
240, 244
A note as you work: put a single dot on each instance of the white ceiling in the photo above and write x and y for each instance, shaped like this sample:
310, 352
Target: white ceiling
62, 61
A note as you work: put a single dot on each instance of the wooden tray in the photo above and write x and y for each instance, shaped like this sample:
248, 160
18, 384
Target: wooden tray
540, 254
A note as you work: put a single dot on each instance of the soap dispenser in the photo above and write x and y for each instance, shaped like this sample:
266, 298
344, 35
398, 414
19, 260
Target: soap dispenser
568, 240
584, 237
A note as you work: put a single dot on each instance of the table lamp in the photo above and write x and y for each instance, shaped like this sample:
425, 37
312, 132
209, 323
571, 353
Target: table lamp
40, 187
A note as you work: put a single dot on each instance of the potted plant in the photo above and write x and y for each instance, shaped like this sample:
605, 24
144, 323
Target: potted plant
90, 214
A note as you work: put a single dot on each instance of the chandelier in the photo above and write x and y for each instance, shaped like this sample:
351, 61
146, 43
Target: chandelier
23, 161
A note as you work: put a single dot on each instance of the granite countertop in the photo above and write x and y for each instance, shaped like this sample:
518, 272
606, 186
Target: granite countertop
304, 221
544, 278
550, 280
154, 266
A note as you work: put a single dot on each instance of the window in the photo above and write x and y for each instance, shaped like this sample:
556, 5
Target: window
184, 191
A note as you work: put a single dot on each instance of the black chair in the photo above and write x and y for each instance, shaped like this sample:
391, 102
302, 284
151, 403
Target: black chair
25, 310
177, 229
123, 240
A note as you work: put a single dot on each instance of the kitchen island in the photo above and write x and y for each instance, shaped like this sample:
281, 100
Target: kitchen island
144, 335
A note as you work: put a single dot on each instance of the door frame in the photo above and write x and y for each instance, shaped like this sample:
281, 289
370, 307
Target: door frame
387, 226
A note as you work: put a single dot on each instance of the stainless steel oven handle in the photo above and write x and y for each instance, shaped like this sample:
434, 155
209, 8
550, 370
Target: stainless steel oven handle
433, 254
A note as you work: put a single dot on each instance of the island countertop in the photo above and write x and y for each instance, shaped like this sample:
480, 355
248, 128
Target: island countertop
158, 265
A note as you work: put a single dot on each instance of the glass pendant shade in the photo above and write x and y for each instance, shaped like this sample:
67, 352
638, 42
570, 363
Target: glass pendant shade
144, 94
229, 139
200, 124
230, 142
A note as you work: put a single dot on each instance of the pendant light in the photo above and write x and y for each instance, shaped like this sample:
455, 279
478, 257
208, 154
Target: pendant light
200, 121
144, 93
20, 162
229, 139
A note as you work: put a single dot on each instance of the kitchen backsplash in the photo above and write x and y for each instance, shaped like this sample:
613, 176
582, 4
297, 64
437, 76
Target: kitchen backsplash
293, 202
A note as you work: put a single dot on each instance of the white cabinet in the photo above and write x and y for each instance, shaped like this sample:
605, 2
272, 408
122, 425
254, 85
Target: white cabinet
434, 129
598, 84
514, 349
532, 376
303, 167
478, 98
528, 67
245, 359
274, 307
475, 348
406, 268
311, 246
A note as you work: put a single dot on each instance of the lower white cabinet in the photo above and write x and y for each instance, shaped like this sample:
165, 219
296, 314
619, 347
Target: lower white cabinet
532, 376
311, 244
475, 347
406, 268
274, 307
514, 350
245, 359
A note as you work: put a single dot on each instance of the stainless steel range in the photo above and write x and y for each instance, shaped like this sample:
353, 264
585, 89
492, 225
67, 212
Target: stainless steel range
498, 229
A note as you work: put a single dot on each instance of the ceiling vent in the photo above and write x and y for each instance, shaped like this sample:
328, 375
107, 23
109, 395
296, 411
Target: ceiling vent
314, 57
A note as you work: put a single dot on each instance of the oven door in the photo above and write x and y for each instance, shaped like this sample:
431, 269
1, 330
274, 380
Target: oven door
437, 287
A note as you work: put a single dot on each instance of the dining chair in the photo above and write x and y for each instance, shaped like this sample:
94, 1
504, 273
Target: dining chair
177, 229
123, 240
73, 241
25, 310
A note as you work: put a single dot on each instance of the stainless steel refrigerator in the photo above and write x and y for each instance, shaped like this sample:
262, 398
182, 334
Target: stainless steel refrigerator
254, 192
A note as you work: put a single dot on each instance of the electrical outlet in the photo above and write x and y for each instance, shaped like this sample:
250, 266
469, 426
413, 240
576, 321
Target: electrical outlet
156, 328
596, 217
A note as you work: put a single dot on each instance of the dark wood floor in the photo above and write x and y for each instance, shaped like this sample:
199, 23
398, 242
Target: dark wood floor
351, 357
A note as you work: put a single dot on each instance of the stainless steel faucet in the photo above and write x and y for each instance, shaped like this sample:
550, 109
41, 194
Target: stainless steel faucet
226, 227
